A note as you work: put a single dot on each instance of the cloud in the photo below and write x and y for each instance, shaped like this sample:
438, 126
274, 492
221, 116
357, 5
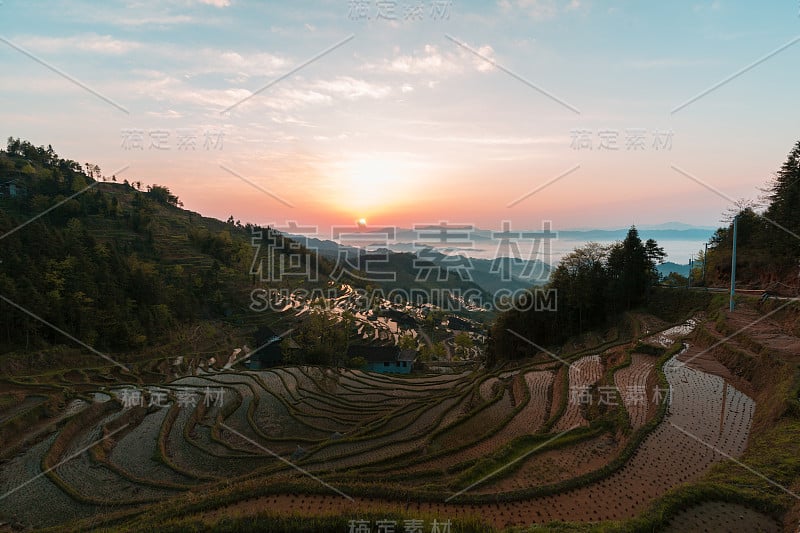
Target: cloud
240, 66
290, 95
150, 19
88, 42
537, 9
715, 5
215, 3
218, 61
291, 120
664, 62
489, 141
481, 64
352, 89
574, 5
169, 113
165, 88
431, 61
541, 9
150, 13
294, 98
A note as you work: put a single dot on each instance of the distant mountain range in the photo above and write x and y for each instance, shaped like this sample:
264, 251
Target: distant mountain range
490, 275
665, 268
663, 226
465, 240
689, 234
461, 237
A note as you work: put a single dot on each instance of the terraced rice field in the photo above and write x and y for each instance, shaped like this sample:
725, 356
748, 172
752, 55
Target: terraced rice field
583, 373
668, 336
721, 517
636, 384
425, 437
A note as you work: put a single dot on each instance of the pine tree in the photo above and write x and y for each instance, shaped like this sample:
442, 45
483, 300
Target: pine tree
630, 270
784, 208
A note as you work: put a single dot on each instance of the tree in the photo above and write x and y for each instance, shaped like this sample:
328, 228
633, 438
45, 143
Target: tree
630, 269
322, 339
463, 342
593, 285
162, 195
656, 255
407, 342
784, 197
579, 279
357, 362
673, 279
438, 351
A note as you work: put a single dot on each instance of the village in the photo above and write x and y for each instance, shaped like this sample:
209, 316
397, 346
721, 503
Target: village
384, 334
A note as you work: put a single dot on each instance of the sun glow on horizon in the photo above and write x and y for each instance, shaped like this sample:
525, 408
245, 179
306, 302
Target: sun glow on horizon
374, 184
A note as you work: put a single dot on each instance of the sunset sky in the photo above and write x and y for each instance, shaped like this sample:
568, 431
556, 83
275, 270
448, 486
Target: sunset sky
400, 119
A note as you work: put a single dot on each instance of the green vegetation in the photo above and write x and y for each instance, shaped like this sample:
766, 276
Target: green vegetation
767, 237
117, 268
594, 284
131, 271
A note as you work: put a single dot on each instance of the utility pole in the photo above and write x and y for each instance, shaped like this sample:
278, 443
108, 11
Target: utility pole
705, 260
733, 263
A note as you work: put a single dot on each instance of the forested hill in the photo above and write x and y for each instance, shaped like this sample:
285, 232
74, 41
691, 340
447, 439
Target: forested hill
117, 267
595, 284
768, 236
123, 268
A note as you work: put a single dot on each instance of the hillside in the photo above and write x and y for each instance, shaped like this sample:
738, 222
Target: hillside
430, 447
667, 267
92, 264
768, 234
118, 268
124, 406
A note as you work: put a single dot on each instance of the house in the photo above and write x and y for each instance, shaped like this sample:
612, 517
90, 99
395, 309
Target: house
12, 189
268, 351
384, 359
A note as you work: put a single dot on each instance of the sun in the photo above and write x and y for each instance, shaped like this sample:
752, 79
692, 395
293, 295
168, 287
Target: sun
362, 222
371, 184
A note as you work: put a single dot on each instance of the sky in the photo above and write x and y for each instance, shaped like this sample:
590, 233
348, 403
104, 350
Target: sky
580, 112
